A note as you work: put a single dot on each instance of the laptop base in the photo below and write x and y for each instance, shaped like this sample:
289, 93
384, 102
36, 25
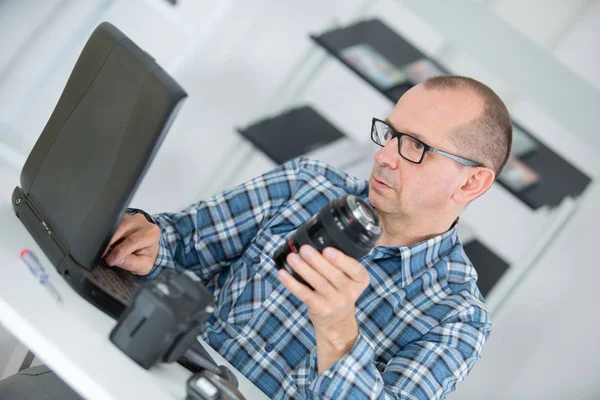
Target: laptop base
111, 290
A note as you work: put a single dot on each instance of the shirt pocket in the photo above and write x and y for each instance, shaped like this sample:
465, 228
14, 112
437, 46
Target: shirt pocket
249, 290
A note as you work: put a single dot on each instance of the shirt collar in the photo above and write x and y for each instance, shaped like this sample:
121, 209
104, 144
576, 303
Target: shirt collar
415, 259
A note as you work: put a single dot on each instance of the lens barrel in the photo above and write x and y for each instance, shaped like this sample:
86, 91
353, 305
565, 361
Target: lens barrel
348, 224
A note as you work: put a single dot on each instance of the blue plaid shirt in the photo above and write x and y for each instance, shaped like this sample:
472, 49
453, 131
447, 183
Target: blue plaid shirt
422, 319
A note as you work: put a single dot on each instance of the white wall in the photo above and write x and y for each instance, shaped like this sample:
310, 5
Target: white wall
233, 64
544, 344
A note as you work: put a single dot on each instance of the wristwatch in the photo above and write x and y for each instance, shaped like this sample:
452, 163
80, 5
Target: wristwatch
133, 211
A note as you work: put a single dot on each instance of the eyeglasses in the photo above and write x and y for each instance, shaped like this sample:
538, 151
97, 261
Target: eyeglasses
410, 148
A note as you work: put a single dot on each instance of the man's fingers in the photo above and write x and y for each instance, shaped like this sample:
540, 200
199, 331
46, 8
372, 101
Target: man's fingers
347, 264
128, 246
124, 228
137, 265
332, 273
302, 292
309, 274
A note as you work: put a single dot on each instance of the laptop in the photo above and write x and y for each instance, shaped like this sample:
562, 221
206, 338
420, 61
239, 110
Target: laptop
82, 172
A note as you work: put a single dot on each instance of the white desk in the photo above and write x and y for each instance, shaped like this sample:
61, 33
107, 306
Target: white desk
72, 337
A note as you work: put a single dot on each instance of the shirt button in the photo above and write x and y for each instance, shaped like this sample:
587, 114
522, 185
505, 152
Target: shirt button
268, 348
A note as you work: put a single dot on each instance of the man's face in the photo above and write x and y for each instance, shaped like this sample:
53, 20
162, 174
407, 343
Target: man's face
401, 188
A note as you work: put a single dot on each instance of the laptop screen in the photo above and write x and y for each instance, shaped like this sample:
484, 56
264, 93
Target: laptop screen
99, 141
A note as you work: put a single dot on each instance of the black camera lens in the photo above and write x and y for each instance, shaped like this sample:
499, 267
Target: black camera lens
349, 224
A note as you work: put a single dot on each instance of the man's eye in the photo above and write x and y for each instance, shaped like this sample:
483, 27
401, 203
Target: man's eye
418, 145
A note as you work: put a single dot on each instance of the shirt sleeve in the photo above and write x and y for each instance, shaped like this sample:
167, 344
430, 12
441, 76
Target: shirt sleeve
428, 368
211, 234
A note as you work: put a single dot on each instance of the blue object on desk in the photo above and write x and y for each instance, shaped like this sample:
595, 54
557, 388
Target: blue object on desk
40, 273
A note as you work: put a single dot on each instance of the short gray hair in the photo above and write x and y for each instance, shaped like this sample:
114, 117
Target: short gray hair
486, 139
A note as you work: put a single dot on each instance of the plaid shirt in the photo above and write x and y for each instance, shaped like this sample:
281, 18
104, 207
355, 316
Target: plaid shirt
422, 319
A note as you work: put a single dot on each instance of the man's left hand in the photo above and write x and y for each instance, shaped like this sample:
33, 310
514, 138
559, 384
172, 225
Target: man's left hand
338, 280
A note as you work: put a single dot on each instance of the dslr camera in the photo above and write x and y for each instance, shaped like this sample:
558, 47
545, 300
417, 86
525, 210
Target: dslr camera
162, 325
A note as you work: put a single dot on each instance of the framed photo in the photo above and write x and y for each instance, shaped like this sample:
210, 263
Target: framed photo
373, 65
517, 176
420, 70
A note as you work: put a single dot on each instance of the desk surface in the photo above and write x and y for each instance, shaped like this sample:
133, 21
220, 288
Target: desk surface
72, 337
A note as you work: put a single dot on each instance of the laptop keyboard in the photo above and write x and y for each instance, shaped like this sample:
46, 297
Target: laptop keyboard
115, 282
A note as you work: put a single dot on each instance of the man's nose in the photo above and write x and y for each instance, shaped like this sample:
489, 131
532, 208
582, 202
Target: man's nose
388, 154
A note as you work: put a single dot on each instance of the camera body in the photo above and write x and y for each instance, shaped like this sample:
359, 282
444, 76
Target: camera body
164, 319
207, 385
348, 224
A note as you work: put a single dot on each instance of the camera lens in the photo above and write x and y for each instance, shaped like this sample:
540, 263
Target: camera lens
349, 224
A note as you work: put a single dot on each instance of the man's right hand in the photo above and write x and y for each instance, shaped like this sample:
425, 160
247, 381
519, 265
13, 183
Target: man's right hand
134, 246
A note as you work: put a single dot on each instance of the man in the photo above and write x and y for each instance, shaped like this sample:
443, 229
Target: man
405, 321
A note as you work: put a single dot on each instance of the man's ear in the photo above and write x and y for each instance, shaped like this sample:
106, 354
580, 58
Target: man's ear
477, 183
